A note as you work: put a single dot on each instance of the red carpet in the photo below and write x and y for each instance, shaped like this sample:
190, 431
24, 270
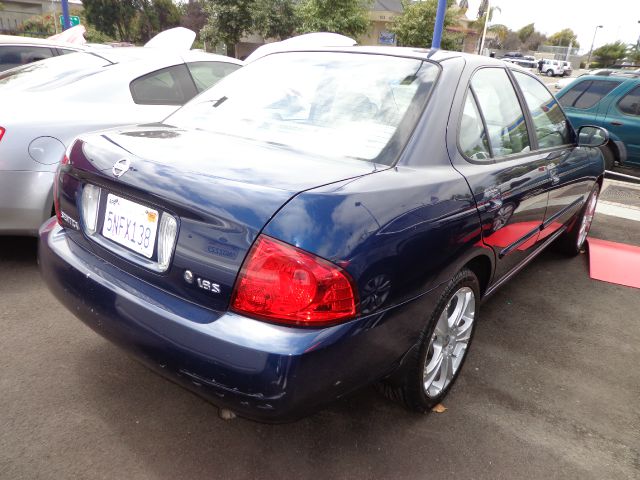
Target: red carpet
614, 262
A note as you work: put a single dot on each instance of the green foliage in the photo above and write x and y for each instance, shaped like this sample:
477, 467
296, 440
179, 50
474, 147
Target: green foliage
275, 18
525, 32
563, 38
414, 27
154, 16
193, 15
610, 53
633, 54
131, 20
111, 17
42, 25
227, 22
347, 17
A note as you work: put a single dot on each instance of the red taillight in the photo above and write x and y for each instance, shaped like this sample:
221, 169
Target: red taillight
56, 180
283, 284
2, 130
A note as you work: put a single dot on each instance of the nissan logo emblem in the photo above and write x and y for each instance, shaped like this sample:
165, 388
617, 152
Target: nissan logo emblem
121, 167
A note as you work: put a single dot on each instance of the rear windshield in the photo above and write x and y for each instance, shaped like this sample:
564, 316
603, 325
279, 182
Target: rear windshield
52, 73
327, 103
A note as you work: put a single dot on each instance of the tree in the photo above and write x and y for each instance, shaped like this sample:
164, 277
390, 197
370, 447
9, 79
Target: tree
497, 41
275, 18
153, 17
525, 32
563, 38
347, 17
111, 17
610, 53
193, 15
414, 27
633, 54
227, 22
512, 41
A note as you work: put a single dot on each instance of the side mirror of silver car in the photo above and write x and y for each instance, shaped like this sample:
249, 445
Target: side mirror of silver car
592, 136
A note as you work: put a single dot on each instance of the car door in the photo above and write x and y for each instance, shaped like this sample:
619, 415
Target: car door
623, 120
569, 168
495, 154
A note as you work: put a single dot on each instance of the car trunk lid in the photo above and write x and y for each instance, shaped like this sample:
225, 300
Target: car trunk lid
223, 190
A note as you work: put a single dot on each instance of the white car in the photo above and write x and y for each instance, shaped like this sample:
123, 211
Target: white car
552, 68
16, 51
46, 105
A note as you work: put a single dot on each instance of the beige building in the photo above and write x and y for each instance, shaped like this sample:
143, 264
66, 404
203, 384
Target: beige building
14, 13
382, 14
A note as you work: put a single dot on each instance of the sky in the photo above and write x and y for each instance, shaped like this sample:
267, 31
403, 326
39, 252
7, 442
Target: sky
619, 18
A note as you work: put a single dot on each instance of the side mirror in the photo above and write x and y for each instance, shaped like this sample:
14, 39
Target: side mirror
591, 136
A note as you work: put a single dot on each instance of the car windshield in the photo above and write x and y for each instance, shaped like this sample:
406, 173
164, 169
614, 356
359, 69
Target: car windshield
333, 104
53, 72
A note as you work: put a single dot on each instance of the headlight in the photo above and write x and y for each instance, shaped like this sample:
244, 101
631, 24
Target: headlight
166, 240
90, 203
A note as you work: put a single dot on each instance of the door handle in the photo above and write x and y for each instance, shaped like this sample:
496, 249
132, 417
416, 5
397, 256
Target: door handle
616, 123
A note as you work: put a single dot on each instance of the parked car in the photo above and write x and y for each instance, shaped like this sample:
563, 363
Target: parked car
612, 102
552, 68
16, 51
45, 105
523, 62
601, 72
318, 221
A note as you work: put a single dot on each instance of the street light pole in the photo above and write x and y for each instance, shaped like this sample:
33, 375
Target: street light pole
592, 42
484, 30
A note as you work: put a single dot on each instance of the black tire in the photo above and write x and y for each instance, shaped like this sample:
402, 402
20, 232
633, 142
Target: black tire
550, 73
609, 157
568, 243
406, 386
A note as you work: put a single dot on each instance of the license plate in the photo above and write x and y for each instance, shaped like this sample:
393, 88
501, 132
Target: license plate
130, 224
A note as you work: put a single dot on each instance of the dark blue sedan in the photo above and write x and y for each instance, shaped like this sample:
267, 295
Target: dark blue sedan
319, 221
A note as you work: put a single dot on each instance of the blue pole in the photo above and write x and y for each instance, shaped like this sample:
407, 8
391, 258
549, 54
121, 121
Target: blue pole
66, 21
437, 28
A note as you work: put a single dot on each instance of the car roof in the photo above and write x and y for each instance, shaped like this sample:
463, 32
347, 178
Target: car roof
434, 55
149, 54
15, 40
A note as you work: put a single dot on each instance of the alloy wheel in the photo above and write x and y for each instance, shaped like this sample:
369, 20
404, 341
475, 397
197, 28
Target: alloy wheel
587, 218
449, 342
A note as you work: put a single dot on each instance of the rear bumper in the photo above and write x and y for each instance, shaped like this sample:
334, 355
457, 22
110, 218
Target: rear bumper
261, 371
26, 200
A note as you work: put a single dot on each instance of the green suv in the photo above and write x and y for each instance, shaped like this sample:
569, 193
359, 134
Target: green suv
613, 103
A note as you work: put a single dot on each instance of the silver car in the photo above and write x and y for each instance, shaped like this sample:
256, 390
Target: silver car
45, 105
16, 51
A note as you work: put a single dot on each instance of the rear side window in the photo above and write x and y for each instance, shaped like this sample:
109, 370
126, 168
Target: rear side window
630, 103
552, 128
205, 74
501, 110
15, 55
586, 94
168, 86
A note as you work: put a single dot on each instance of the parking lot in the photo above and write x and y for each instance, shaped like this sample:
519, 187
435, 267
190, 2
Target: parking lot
550, 390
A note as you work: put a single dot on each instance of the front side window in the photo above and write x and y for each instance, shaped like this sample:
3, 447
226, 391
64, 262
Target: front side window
331, 104
168, 86
502, 113
630, 103
551, 126
586, 94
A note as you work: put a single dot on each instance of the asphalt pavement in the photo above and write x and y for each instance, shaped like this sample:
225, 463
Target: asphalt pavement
551, 390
